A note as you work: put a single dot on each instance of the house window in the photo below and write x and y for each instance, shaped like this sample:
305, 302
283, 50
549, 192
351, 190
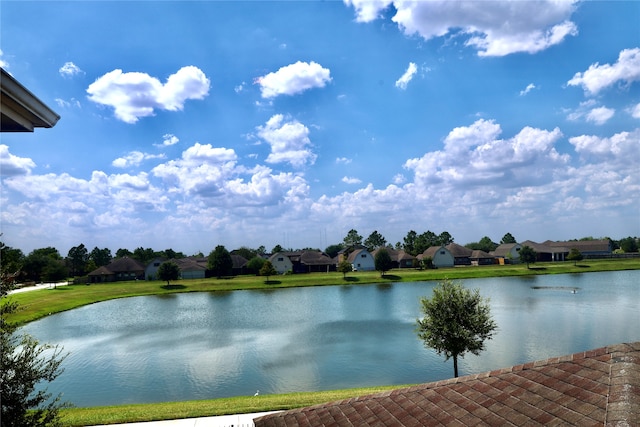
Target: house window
156, 264
363, 256
280, 259
441, 252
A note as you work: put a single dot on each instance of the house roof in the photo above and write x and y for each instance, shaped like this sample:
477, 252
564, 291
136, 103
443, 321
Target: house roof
458, 251
119, 265
596, 387
542, 248
394, 254
354, 254
504, 249
583, 245
188, 264
478, 254
21, 110
238, 261
430, 252
315, 258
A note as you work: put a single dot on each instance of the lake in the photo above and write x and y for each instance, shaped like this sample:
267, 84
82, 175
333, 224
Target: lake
211, 345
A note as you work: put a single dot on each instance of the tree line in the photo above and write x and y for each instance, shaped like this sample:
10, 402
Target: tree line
47, 264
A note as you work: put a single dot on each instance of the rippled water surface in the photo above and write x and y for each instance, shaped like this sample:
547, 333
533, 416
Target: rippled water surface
208, 345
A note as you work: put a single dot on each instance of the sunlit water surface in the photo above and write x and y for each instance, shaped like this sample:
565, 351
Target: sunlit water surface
209, 345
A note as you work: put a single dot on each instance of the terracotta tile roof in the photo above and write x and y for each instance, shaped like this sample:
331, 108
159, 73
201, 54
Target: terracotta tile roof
592, 388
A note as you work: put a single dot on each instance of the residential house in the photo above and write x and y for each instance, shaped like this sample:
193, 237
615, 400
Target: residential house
507, 253
314, 262
361, 260
439, 255
461, 255
281, 262
239, 265
191, 268
479, 257
546, 252
592, 388
586, 247
151, 270
120, 269
400, 259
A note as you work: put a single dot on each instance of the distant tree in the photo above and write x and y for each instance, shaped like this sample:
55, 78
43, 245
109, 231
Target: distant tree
629, 244
168, 271
25, 363
410, 243
375, 241
123, 252
261, 250
77, 259
268, 270
383, 261
398, 246
55, 271
220, 261
455, 321
100, 256
255, 264
345, 267
445, 238
485, 244
144, 255
575, 255
41, 264
332, 250
425, 240
245, 252
11, 259
507, 238
352, 239
276, 249
171, 254
528, 255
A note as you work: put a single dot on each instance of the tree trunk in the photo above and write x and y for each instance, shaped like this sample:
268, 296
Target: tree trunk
455, 365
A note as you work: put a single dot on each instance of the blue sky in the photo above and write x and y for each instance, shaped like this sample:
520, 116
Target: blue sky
187, 125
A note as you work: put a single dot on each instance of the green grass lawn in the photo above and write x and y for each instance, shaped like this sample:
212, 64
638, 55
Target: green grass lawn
38, 304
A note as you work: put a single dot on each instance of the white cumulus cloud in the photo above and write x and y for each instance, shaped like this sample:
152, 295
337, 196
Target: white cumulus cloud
404, 80
134, 158
289, 140
494, 28
351, 180
134, 95
600, 115
635, 112
598, 77
293, 79
12, 165
69, 69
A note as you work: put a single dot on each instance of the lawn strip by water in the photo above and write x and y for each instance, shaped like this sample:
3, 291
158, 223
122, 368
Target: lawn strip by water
207, 408
38, 304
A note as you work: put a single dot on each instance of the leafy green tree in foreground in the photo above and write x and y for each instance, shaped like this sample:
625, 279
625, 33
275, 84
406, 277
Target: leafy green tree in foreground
575, 255
456, 321
345, 267
528, 255
383, 261
268, 270
24, 362
220, 261
168, 271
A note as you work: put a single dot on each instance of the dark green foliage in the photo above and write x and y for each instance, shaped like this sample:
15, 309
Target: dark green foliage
352, 239
77, 259
44, 264
508, 238
456, 321
24, 362
575, 255
375, 241
100, 257
255, 264
144, 255
268, 270
383, 261
121, 253
276, 249
345, 267
528, 255
220, 262
10, 258
168, 271
629, 244
485, 244
332, 250
245, 252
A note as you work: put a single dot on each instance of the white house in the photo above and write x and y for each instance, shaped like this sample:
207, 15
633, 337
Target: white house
281, 262
361, 260
440, 256
508, 251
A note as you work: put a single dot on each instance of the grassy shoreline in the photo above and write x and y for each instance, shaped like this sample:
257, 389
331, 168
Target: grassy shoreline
38, 304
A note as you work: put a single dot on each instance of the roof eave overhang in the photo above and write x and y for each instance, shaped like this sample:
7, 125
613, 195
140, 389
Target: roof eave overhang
21, 110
